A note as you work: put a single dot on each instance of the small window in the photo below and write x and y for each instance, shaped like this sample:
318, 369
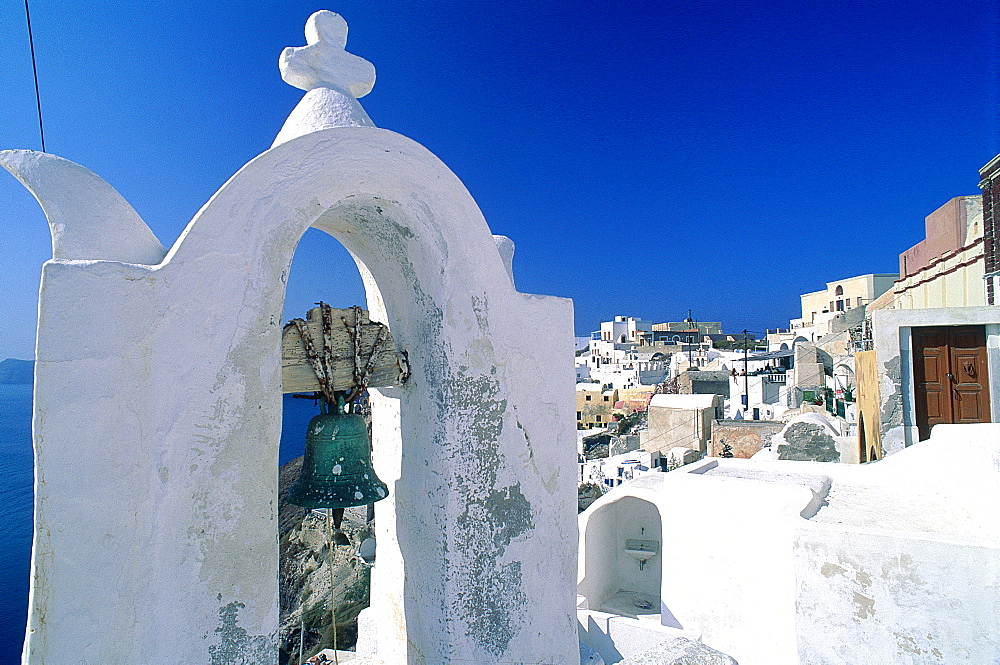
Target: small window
579, 415
605, 398
597, 419
588, 398
839, 291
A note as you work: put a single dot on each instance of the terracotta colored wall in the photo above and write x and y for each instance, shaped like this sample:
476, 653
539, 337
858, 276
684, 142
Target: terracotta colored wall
944, 231
745, 436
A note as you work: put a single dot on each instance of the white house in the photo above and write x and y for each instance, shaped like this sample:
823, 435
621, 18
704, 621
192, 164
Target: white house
781, 563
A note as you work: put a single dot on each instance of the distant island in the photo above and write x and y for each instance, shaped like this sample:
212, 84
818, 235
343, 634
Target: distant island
13, 371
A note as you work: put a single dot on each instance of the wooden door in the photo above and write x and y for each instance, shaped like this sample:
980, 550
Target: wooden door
950, 376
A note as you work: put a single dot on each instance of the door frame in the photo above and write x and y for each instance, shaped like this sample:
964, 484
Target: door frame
894, 363
952, 385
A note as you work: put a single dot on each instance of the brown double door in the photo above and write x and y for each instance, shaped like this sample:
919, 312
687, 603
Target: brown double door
950, 376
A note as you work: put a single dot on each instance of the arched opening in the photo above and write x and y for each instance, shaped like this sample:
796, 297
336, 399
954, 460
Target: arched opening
862, 443
197, 410
321, 270
619, 578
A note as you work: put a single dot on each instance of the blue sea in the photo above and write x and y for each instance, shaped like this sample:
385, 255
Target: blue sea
16, 502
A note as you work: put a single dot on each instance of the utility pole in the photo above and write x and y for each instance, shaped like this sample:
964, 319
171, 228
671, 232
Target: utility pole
746, 375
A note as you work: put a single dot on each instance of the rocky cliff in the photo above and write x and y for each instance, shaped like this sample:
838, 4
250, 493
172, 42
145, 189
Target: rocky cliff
304, 575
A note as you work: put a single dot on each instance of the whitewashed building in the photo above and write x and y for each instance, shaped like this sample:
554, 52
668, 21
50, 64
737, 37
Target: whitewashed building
782, 563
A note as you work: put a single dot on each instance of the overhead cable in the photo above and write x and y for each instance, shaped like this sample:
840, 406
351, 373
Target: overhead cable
34, 70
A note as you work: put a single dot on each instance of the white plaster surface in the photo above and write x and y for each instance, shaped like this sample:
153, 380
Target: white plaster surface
322, 108
88, 219
616, 637
683, 401
324, 62
891, 332
157, 419
807, 562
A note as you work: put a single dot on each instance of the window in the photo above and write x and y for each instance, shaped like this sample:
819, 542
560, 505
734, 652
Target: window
597, 419
605, 398
588, 398
579, 415
839, 291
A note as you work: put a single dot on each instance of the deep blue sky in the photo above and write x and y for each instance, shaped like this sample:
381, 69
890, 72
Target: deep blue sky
646, 158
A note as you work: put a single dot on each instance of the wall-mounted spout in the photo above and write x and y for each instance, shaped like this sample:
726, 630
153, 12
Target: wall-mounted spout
642, 549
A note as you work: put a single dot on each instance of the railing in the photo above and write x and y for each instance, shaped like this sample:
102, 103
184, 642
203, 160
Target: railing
776, 378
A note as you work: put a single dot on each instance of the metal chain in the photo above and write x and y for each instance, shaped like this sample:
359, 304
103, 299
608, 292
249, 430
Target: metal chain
322, 363
362, 376
319, 367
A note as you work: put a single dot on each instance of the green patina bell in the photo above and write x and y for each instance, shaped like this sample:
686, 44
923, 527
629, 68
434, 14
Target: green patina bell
337, 466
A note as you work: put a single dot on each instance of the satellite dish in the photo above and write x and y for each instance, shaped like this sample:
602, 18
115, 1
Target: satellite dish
366, 550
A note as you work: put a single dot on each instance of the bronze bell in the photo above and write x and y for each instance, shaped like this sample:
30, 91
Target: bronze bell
337, 465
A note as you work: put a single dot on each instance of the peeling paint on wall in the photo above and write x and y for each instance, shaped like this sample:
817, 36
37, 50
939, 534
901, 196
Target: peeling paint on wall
239, 647
490, 593
892, 405
202, 439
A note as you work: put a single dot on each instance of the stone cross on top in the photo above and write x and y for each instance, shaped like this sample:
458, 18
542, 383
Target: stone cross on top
324, 63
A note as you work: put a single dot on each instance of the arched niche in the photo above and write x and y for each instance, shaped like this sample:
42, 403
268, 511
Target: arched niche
158, 400
612, 579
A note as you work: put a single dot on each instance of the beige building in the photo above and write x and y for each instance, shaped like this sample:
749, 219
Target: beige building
819, 307
937, 332
680, 421
594, 407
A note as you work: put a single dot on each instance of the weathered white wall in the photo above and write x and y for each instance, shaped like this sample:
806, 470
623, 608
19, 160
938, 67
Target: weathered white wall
158, 412
870, 597
608, 568
894, 358
809, 562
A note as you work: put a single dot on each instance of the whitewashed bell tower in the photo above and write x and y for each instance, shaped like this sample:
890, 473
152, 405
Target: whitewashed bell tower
157, 405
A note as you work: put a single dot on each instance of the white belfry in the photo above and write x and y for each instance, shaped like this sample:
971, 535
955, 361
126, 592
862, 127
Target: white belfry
157, 411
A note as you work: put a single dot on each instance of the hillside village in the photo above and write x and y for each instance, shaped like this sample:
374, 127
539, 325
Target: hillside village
825, 492
661, 387
769, 492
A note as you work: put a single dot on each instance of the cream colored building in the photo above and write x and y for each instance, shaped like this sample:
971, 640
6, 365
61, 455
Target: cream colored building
821, 307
